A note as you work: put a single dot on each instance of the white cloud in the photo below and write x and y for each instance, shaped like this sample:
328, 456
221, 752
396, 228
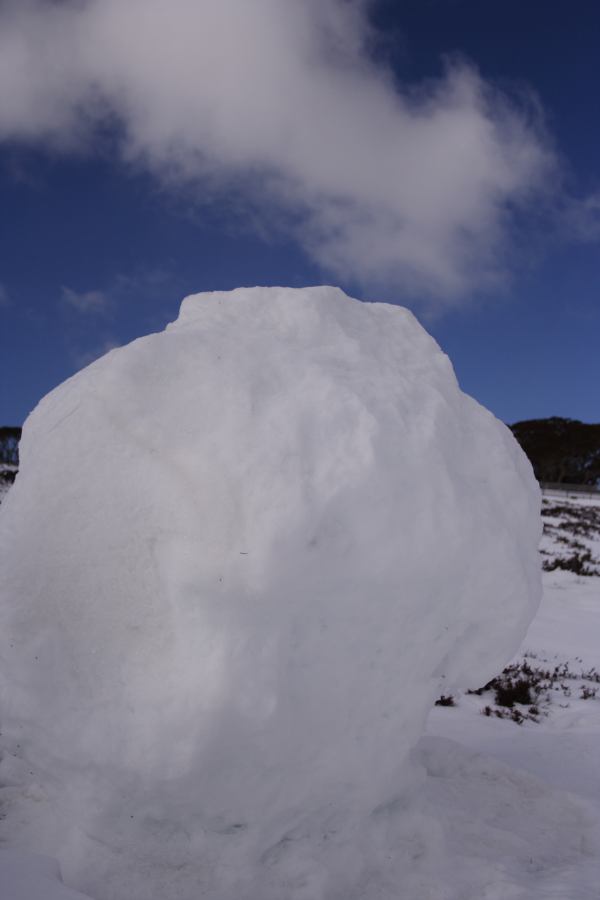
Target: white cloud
150, 283
87, 301
280, 97
581, 217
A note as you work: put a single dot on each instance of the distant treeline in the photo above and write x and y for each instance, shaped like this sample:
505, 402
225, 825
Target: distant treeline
10, 435
561, 451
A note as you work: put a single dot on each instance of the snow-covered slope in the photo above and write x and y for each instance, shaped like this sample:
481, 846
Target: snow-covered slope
571, 540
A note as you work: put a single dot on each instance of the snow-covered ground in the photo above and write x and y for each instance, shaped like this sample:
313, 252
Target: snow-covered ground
529, 801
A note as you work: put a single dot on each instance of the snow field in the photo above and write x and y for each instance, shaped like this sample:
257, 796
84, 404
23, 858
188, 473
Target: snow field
557, 756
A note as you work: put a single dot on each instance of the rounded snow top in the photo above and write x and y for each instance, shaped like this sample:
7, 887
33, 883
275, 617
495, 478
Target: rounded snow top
315, 315
240, 561
307, 297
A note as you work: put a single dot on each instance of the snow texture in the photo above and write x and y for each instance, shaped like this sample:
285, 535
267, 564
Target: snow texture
27, 876
240, 561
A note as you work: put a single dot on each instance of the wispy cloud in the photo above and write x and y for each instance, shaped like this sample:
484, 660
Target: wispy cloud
4, 296
280, 98
106, 301
581, 217
93, 318
87, 302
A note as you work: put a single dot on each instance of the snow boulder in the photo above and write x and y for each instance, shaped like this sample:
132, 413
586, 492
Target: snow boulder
240, 561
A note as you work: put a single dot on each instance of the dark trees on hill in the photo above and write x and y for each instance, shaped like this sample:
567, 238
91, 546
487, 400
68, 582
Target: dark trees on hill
561, 450
9, 445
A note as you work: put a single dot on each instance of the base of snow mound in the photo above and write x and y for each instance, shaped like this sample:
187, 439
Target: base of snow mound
26, 876
502, 833
241, 560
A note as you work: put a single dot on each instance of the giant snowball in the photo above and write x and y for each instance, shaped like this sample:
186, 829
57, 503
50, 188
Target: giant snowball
242, 558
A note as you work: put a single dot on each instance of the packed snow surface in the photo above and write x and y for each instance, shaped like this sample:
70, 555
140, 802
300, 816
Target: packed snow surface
27, 876
534, 816
240, 561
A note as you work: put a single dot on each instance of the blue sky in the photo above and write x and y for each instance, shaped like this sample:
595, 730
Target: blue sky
442, 155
